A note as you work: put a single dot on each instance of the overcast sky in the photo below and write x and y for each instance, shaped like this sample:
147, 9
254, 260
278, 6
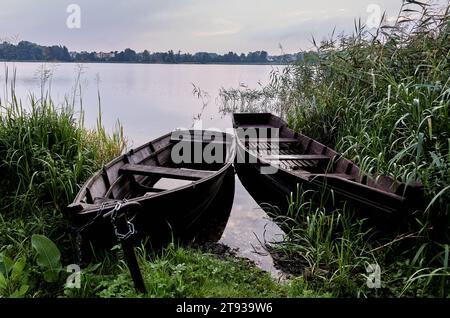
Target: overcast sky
186, 25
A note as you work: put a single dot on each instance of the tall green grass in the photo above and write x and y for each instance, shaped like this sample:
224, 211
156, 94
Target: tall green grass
383, 101
46, 153
382, 98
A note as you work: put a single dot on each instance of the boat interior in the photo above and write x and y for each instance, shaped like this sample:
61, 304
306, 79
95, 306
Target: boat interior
299, 154
169, 162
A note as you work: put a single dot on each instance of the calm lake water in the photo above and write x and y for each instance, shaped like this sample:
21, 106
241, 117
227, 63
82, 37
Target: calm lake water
151, 100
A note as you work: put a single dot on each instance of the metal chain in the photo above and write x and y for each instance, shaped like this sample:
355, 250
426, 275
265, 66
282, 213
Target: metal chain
78, 233
114, 216
99, 213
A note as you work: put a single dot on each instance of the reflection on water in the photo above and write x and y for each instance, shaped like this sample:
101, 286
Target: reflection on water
151, 100
249, 229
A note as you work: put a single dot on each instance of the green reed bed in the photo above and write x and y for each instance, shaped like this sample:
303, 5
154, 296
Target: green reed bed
382, 98
384, 102
45, 155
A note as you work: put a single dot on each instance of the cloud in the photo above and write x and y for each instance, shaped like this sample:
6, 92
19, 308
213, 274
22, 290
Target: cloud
220, 27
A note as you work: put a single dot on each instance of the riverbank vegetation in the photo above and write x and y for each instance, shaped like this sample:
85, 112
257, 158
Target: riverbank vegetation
45, 154
380, 97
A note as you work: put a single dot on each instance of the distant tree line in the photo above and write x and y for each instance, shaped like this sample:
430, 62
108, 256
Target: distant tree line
28, 51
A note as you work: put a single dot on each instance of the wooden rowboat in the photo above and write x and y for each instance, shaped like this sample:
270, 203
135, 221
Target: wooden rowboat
186, 200
264, 141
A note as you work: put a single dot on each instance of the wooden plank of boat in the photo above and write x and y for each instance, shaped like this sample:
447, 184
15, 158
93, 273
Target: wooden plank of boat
377, 198
334, 175
164, 172
296, 157
189, 139
256, 126
272, 140
151, 189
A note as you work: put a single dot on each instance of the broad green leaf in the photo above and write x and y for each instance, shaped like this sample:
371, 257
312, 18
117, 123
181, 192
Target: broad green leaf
51, 276
48, 256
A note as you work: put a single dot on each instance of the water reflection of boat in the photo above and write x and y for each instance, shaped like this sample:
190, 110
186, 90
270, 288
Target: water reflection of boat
291, 160
187, 200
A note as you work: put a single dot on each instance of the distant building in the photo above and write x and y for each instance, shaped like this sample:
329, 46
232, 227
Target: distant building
104, 55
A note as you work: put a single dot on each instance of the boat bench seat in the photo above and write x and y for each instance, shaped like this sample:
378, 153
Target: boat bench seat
312, 176
205, 141
297, 157
164, 172
335, 175
271, 140
255, 126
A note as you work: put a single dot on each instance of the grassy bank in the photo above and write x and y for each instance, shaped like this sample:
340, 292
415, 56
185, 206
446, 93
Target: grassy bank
181, 272
380, 97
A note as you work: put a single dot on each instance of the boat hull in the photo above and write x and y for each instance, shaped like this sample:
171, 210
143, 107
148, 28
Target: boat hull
197, 213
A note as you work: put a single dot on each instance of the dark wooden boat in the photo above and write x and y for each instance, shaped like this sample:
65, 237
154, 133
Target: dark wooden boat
301, 162
168, 200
